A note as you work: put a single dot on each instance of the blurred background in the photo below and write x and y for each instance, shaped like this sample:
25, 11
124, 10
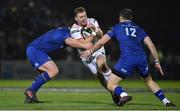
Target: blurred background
21, 21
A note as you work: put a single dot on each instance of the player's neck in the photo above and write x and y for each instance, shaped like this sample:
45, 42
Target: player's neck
124, 20
80, 25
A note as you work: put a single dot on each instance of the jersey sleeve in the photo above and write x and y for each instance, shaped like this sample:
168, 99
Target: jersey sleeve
67, 35
62, 31
143, 34
75, 33
111, 32
95, 23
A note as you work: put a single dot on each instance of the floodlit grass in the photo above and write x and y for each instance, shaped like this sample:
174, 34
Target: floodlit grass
87, 83
83, 100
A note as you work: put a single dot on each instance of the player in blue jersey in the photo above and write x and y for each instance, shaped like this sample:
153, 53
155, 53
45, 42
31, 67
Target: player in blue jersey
131, 39
37, 53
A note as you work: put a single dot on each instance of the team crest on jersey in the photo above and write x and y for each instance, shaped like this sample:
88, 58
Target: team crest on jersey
36, 64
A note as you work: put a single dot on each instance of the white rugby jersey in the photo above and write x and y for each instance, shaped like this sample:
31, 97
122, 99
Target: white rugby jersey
76, 34
76, 29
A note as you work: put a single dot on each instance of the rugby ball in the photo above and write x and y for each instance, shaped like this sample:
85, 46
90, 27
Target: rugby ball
86, 32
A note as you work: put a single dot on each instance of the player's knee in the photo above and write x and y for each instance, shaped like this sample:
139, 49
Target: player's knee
148, 80
107, 74
102, 67
53, 72
101, 62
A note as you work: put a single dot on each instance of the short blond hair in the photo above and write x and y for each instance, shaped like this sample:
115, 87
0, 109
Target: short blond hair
79, 10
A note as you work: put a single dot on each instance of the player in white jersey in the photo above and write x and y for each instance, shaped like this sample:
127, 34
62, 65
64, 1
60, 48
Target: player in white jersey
97, 62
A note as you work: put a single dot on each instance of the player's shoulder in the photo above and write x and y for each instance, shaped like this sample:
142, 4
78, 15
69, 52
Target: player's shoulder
91, 20
75, 28
59, 30
126, 24
115, 26
134, 24
62, 29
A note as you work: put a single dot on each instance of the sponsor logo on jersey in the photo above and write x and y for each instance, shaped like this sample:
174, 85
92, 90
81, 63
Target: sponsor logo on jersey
123, 70
74, 31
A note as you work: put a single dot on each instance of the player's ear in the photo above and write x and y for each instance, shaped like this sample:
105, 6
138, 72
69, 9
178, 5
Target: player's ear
75, 18
120, 18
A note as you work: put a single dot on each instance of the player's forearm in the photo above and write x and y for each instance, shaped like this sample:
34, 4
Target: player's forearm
97, 46
74, 43
152, 49
81, 45
89, 39
77, 45
154, 53
100, 43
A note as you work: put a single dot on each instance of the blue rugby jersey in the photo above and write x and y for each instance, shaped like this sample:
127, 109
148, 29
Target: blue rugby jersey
130, 36
52, 40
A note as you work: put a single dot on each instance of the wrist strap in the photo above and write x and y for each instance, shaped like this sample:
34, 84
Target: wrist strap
156, 61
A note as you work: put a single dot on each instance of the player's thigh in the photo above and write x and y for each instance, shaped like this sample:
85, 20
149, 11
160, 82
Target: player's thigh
92, 63
41, 61
101, 62
37, 57
143, 68
124, 67
101, 58
91, 66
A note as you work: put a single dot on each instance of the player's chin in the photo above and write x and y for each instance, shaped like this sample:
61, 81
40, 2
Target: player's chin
84, 24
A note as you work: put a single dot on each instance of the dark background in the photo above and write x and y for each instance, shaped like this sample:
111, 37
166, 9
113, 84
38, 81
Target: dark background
21, 21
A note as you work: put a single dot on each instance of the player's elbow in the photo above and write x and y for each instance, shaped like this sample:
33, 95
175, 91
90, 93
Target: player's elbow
69, 41
99, 34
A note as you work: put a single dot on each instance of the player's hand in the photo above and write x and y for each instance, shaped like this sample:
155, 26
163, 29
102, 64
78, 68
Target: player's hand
86, 54
158, 67
88, 46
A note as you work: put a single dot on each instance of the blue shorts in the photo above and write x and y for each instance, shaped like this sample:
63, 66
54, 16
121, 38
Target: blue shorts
126, 66
37, 57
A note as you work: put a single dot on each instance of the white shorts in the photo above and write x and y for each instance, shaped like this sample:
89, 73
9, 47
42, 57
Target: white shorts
91, 62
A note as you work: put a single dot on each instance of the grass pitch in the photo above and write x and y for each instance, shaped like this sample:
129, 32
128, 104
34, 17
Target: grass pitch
69, 100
